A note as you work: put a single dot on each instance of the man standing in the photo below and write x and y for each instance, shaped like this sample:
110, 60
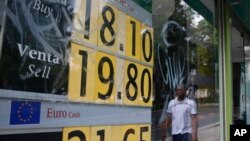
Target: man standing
182, 113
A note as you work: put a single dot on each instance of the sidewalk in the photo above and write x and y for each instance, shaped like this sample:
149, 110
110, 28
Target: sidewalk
207, 133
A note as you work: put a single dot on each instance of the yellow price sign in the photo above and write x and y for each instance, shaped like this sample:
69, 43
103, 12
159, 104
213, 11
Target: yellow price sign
116, 133
84, 23
76, 134
141, 132
138, 84
133, 38
119, 80
147, 50
146, 86
131, 83
121, 33
145, 132
99, 76
130, 133
105, 78
81, 73
101, 133
108, 26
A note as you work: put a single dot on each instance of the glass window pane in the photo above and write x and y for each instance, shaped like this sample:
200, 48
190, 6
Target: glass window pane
186, 43
34, 53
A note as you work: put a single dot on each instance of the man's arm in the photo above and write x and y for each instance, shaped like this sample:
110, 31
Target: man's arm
168, 120
165, 125
194, 127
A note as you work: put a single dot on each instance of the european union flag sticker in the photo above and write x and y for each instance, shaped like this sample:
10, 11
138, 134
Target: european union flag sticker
25, 112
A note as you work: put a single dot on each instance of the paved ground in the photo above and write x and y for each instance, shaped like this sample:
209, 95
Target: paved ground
207, 133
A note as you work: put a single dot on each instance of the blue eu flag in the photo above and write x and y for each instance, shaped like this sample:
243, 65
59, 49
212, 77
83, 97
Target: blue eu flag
25, 112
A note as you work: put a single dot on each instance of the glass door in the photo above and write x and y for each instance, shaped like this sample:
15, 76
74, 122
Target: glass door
247, 78
238, 67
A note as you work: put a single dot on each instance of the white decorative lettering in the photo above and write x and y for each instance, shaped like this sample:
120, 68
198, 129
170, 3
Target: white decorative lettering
48, 72
33, 54
49, 57
56, 60
21, 51
38, 55
42, 8
41, 56
37, 5
42, 72
37, 72
50, 12
30, 68
63, 2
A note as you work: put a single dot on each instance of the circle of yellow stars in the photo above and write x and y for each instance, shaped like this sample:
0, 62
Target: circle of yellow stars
21, 108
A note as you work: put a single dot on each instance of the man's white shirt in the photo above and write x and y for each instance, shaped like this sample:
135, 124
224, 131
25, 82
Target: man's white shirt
181, 115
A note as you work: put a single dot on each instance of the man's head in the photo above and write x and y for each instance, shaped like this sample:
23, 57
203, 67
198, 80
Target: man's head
180, 91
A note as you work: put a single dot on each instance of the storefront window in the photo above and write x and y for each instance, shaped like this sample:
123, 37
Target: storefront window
110, 57
34, 53
186, 43
239, 93
79, 69
245, 101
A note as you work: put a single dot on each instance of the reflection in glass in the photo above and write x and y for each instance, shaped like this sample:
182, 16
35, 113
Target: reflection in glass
186, 52
34, 54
